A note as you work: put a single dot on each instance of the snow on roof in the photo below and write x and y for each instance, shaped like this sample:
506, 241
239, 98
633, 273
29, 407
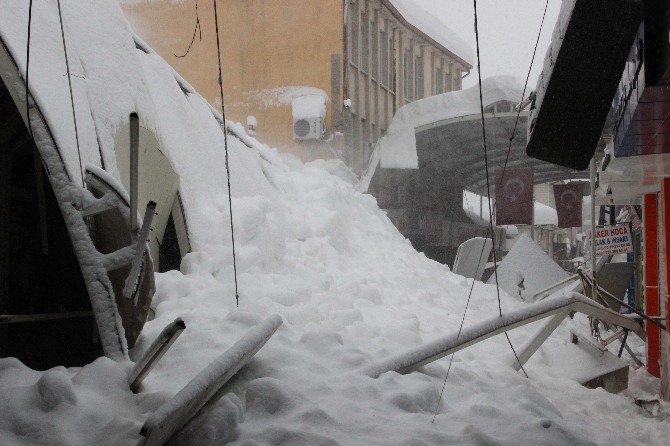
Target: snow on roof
545, 215
434, 28
526, 258
282, 96
309, 106
398, 146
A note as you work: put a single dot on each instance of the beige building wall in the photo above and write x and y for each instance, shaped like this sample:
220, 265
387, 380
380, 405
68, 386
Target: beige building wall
272, 49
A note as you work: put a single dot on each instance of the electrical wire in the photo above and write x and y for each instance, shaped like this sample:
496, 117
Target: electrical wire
69, 81
30, 21
488, 185
197, 29
225, 145
489, 230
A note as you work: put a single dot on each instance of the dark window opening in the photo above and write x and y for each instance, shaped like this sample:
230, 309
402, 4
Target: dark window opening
39, 271
168, 253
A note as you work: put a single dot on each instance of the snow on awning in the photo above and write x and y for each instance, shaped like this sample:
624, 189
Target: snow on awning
398, 146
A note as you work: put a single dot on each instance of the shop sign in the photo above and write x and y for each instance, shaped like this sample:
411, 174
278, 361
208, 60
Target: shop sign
612, 240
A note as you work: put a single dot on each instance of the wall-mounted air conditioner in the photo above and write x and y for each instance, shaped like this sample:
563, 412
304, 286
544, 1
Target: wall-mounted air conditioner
309, 113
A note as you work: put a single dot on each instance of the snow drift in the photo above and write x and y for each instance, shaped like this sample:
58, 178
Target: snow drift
350, 289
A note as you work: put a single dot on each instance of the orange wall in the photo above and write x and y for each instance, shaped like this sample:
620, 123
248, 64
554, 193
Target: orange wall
265, 45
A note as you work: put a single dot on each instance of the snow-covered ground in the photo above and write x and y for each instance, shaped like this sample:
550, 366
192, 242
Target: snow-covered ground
349, 288
351, 291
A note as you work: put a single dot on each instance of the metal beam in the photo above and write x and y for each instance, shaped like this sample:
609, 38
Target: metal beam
134, 168
173, 415
154, 353
132, 282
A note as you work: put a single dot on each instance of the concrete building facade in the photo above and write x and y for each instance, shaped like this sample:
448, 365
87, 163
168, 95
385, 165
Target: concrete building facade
317, 78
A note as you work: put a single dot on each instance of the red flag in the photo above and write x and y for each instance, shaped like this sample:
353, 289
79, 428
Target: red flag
569, 204
514, 197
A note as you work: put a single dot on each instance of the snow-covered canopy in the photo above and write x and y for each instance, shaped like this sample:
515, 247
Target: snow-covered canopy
434, 28
398, 147
108, 85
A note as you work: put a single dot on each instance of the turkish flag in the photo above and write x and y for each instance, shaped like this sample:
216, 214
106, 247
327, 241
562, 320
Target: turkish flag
569, 204
514, 197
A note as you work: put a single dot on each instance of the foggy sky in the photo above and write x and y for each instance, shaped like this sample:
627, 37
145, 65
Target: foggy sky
507, 33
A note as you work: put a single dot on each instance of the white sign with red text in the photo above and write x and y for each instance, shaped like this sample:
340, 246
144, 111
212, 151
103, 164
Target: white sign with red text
612, 240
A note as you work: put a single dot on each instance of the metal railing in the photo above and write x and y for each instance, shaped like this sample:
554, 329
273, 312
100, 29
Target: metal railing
558, 308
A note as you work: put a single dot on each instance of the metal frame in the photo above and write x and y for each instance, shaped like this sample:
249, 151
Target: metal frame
546, 292
20, 318
154, 353
173, 415
130, 289
134, 168
558, 308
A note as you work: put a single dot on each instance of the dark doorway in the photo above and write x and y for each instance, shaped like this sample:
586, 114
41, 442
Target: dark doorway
169, 254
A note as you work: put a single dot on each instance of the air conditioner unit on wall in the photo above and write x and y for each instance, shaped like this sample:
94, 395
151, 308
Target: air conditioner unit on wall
308, 128
309, 112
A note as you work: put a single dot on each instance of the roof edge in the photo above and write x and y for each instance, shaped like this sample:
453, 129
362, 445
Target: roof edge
398, 15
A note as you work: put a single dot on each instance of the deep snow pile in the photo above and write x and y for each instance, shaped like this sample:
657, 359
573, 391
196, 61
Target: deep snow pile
527, 259
350, 289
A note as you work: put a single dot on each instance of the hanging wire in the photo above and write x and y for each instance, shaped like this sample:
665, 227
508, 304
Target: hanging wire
196, 30
30, 21
489, 230
488, 186
523, 95
225, 145
69, 81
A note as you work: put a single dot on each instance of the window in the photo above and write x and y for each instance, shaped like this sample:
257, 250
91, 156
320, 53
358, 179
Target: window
384, 56
365, 43
375, 51
457, 80
406, 72
439, 81
448, 81
418, 78
355, 22
504, 107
